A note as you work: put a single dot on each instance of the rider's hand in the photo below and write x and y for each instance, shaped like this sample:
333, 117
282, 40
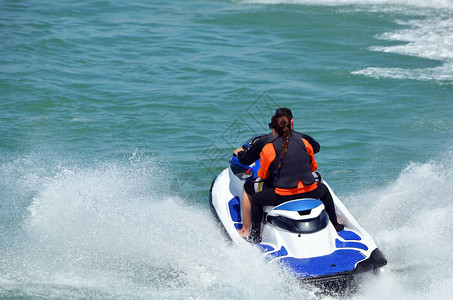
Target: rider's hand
235, 152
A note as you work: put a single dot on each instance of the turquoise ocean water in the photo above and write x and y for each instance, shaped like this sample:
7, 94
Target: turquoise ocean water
115, 116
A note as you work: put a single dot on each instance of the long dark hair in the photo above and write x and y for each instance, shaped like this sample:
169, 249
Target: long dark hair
282, 124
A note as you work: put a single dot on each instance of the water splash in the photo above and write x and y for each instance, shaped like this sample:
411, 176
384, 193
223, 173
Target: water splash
106, 231
410, 220
101, 232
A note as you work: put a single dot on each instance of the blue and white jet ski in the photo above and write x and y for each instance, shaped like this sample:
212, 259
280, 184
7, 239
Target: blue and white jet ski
298, 234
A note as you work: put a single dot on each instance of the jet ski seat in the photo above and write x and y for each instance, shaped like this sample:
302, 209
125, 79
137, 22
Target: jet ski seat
298, 216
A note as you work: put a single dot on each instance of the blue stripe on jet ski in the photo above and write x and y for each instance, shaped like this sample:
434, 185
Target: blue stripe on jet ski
235, 209
340, 244
349, 235
337, 262
238, 226
265, 248
299, 205
276, 254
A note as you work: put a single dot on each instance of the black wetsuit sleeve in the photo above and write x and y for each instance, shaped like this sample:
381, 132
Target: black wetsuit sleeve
313, 143
253, 153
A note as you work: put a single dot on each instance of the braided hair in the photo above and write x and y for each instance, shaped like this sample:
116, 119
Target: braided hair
282, 124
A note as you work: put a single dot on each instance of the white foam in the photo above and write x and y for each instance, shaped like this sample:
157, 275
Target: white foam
429, 35
102, 231
411, 222
430, 38
418, 3
443, 74
106, 232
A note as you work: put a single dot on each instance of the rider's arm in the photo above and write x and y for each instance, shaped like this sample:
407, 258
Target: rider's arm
315, 145
313, 163
253, 153
267, 157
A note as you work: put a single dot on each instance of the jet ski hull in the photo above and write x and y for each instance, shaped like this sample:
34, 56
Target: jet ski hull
323, 257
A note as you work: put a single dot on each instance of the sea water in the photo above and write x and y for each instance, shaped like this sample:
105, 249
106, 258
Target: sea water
115, 116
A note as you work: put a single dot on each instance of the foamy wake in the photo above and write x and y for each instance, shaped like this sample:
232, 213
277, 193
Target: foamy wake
442, 74
430, 37
103, 232
416, 3
411, 222
108, 232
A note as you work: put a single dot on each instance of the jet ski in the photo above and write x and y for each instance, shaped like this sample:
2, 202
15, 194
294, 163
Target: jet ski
298, 234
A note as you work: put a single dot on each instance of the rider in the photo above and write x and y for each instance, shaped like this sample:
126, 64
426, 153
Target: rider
251, 155
290, 160
253, 152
